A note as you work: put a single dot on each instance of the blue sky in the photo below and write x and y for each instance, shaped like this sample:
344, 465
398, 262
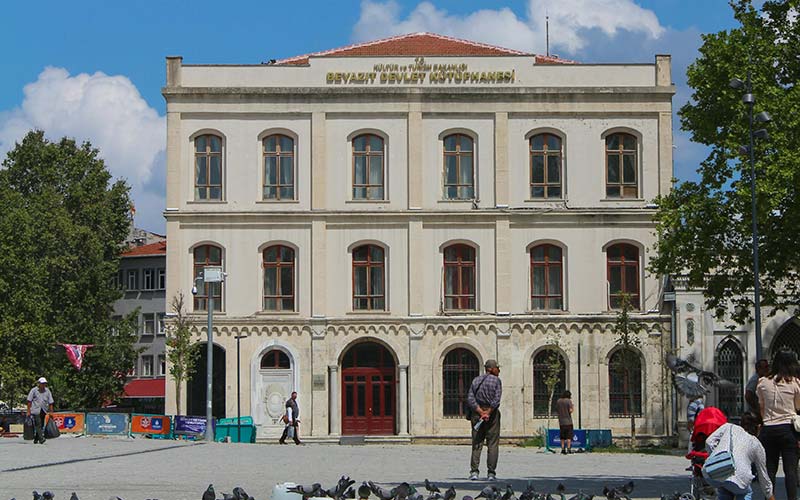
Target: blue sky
94, 69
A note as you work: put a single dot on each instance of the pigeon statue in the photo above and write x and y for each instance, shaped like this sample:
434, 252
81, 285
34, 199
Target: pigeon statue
364, 491
692, 381
307, 492
450, 494
619, 492
380, 492
210, 494
432, 488
74, 496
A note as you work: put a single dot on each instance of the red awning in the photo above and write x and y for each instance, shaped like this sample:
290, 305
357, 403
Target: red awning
145, 388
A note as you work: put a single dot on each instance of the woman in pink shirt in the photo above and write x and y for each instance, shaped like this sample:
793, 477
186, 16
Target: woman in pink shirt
779, 398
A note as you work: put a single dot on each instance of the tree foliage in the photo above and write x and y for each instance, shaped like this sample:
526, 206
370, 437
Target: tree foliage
62, 226
705, 227
627, 338
182, 353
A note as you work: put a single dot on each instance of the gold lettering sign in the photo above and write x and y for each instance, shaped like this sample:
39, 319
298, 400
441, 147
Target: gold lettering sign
420, 73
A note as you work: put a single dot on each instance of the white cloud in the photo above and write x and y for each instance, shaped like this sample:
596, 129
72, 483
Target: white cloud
571, 23
109, 112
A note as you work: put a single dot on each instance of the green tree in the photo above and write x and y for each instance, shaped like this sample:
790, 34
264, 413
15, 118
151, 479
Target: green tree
62, 226
552, 373
704, 228
182, 353
627, 332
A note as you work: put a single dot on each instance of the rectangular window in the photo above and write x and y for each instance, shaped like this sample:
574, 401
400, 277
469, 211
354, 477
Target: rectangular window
162, 365
161, 327
148, 279
148, 324
147, 366
208, 168
132, 279
162, 279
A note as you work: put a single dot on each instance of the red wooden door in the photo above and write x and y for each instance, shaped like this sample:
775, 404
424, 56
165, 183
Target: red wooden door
368, 392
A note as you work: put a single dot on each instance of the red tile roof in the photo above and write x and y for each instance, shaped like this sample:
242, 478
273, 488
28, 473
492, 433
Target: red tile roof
420, 44
145, 388
158, 248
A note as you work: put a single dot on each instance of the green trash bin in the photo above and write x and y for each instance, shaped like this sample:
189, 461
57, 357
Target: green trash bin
226, 427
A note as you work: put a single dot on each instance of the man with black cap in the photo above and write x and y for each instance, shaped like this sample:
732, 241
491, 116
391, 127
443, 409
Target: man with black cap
483, 399
40, 405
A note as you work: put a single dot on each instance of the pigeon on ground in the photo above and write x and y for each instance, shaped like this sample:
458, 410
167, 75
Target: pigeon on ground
74, 496
450, 494
432, 488
489, 493
403, 491
364, 491
240, 494
210, 494
691, 380
619, 492
36, 495
228, 496
434, 496
416, 495
529, 492
350, 493
380, 492
467, 497
582, 496
47, 495
306, 491
509, 493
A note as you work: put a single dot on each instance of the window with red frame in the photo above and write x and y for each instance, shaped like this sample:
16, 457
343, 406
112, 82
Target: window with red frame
208, 168
459, 278
278, 168
275, 359
546, 278
623, 274
369, 278
207, 255
368, 166
278, 278
621, 166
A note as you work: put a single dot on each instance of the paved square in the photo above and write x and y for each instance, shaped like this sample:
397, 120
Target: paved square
137, 469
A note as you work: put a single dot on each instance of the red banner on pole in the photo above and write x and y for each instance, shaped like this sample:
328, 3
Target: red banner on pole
75, 353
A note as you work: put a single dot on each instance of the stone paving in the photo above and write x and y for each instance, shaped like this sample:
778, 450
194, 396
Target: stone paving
139, 469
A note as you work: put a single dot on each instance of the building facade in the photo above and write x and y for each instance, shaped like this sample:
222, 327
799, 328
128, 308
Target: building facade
142, 276
392, 214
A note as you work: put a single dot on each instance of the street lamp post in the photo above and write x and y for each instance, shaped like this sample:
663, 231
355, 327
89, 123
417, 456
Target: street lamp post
238, 390
749, 100
211, 275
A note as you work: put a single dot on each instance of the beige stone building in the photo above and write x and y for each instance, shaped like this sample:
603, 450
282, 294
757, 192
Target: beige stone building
392, 214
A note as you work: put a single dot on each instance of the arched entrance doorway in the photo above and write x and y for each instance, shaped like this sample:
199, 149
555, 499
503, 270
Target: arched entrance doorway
368, 390
787, 338
196, 385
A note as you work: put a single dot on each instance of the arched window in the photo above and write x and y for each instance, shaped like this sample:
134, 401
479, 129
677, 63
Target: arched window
369, 278
546, 163
787, 338
625, 383
368, 167
208, 167
275, 359
546, 278
621, 166
623, 274
459, 167
730, 366
459, 277
278, 278
207, 255
278, 167
459, 369
549, 367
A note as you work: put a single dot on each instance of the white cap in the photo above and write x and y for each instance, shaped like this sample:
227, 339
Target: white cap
42, 380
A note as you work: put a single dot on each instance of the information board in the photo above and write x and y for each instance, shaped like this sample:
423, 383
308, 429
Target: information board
191, 425
69, 422
578, 438
150, 424
107, 424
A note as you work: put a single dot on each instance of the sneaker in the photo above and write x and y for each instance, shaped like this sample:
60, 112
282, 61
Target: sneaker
473, 476
42, 441
491, 477
563, 451
35, 441
569, 451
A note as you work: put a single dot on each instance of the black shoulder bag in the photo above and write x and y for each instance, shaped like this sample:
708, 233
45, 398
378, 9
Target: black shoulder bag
469, 412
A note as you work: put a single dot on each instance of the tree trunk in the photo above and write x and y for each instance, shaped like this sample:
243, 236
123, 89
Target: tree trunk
632, 410
177, 397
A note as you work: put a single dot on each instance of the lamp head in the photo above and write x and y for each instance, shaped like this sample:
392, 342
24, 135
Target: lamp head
761, 134
743, 150
735, 83
194, 290
763, 117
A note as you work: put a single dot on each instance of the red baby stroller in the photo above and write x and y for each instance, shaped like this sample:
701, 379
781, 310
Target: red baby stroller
707, 421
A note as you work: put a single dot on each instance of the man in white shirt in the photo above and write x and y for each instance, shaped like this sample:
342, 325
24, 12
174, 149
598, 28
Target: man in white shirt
40, 405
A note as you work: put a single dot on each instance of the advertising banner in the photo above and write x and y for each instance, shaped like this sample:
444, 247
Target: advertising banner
107, 424
69, 422
150, 424
190, 425
578, 438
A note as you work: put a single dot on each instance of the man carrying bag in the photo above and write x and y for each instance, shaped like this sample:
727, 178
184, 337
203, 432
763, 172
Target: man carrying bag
40, 405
